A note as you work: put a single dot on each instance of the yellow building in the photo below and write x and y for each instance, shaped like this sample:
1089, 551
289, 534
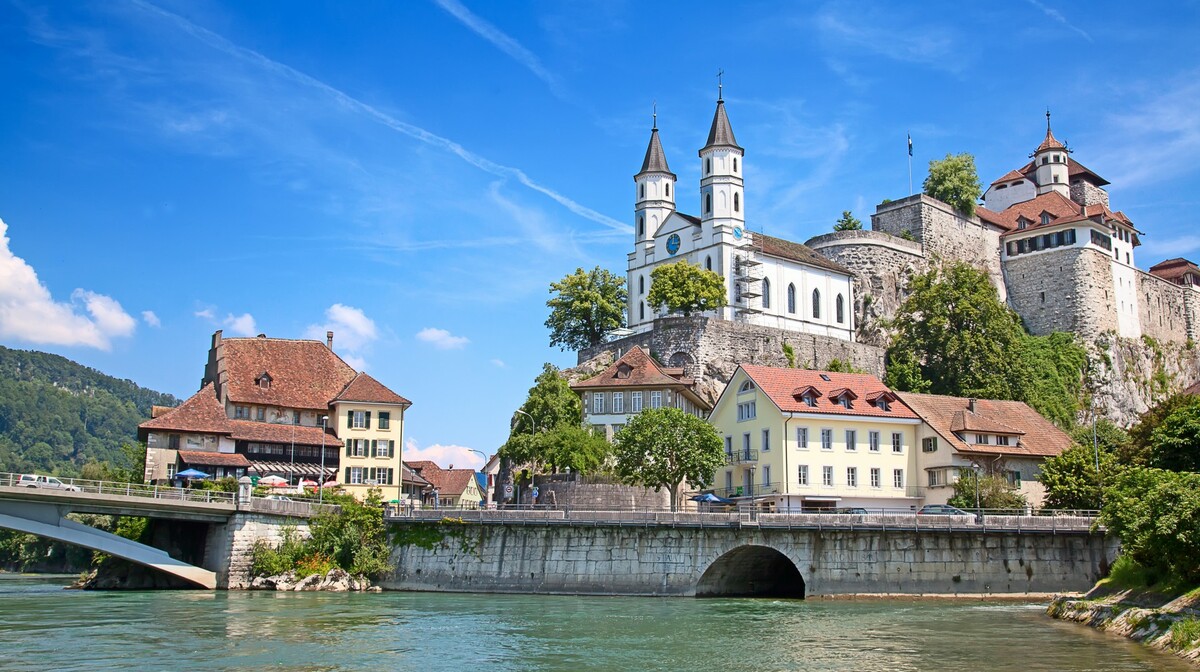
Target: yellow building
797, 439
370, 421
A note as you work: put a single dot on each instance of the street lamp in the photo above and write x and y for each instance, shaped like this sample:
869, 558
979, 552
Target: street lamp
535, 429
321, 486
487, 494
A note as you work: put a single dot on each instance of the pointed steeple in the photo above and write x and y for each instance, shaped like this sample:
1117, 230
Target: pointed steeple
721, 133
1050, 142
656, 158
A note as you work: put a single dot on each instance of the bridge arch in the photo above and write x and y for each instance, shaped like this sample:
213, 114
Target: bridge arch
751, 571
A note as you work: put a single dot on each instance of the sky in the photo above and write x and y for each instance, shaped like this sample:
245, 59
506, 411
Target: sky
413, 175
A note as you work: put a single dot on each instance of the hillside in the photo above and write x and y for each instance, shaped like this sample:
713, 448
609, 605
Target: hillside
57, 415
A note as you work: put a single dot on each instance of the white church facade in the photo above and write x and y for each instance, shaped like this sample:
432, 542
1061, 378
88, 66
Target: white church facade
771, 282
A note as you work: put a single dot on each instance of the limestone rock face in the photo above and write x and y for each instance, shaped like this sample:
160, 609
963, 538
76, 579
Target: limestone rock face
1128, 376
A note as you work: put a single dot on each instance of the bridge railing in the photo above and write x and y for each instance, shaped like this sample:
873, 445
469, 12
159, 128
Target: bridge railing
127, 489
1020, 520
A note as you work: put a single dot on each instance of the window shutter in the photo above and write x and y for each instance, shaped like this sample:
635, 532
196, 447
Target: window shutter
371, 474
347, 476
374, 448
349, 447
349, 419
368, 423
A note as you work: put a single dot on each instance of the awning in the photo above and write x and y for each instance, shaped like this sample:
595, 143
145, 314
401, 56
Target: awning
818, 498
290, 468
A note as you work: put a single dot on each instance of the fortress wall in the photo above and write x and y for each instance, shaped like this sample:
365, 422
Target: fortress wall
1162, 308
1068, 289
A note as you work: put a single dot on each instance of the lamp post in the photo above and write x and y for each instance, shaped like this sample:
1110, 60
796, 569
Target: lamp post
321, 485
534, 423
486, 495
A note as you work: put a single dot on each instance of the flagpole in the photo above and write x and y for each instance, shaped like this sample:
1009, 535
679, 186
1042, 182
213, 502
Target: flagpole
910, 153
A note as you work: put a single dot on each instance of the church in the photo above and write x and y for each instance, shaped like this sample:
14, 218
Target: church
771, 282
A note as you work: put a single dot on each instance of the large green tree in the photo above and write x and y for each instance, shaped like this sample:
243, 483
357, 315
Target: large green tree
973, 490
665, 447
1156, 514
684, 288
954, 181
585, 307
1072, 480
549, 405
1176, 442
848, 222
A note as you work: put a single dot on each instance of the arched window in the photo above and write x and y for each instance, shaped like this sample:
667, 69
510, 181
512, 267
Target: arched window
816, 304
766, 293
841, 309
641, 285
791, 298
708, 263
643, 190
735, 164
668, 188
641, 226
737, 203
641, 310
708, 203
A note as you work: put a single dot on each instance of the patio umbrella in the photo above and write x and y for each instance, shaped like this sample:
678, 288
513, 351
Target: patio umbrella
192, 473
710, 498
273, 481
330, 484
306, 483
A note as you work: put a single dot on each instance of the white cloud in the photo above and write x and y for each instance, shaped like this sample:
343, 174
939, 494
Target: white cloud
353, 333
1060, 17
151, 319
1169, 247
205, 314
499, 363
461, 457
241, 325
28, 312
442, 339
500, 39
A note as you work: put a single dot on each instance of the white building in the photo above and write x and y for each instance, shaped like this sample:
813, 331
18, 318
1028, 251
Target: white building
771, 282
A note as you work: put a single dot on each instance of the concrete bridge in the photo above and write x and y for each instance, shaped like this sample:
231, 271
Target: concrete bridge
744, 554
212, 530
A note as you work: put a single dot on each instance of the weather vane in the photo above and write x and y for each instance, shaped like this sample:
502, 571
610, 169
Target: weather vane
720, 86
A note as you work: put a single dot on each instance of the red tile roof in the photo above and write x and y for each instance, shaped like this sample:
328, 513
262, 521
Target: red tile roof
411, 476
1074, 169
1050, 142
449, 482
1039, 438
200, 413
269, 432
1173, 269
779, 384
200, 457
1061, 209
1009, 177
366, 389
966, 421
304, 374
634, 369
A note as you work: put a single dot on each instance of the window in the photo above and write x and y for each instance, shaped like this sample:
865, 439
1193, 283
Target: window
791, 298
897, 478
260, 414
851, 440
873, 441
656, 399
729, 446
737, 203
766, 298
766, 472
295, 417
826, 439
643, 189
383, 448
729, 482
852, 476
882, 404
707, 166
982, 439
707, 203
171, 470
802, 474
641, 285
173, 441
841, 309
874, 477
747, 410
1013, 478
708, 263
929, 444
746, 446
641, 311
766, 440
641, 226
1002, 440
241, 412
802, 438
597, 403
1045, 218
635, 402
816, 304
935, 478
845, 401
667, 188
354, 475
385, 420
357, 447
827, 476
735, 164
360, 419
618, 402
897, 442
747, 386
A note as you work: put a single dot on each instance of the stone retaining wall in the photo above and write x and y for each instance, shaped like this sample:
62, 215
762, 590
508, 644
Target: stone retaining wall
229, 546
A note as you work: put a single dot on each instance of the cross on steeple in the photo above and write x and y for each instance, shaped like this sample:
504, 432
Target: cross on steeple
655, 114
719, 84
1047, 119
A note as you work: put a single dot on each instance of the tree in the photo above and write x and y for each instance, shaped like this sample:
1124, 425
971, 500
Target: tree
1048, 375
684, 288
1142, 444
575, 447
953, 181
985, 491
1071, 479
1176, 442
664, 447
1156, 514
587, 305
848, 222
549, 405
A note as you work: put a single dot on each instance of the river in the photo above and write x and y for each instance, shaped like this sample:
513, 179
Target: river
43, 627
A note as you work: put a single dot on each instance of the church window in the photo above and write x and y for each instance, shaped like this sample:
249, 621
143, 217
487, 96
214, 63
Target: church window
735, 164
708, 263
841, 309
791, 298
641, 226
707, 166
641, 310
816, 304
708, 203
737, 203
641, 284
667, 187
643, 190
766, 298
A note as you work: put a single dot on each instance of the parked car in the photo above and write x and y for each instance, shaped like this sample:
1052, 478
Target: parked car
853, 510
49, 482
942, 510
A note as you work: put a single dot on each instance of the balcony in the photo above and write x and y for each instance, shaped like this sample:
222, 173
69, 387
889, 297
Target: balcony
752, 490
740, 456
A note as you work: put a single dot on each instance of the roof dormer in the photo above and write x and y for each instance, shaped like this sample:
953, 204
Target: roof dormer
263, 380
882, 399
843, 397
808, 394
623, 371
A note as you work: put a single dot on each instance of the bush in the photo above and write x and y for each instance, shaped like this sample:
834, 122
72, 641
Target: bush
1156, 513
268, 560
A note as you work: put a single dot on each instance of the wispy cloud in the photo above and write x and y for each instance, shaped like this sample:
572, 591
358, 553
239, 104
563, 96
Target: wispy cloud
461, 457
151, 319
241, 325
29, 313
353, 333
499, 364
348, 102
1059, 17
1169, 247
206, 314
442, 339
850, 28
500, 39
1162, 124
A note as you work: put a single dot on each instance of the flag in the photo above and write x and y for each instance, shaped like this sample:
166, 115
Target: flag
910, 144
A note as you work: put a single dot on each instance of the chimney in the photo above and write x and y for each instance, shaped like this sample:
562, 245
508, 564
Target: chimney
451, 466
262, 335
329, 339
971, 405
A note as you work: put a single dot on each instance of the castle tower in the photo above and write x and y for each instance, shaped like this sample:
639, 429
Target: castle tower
654, 200
722, 203
1051, 160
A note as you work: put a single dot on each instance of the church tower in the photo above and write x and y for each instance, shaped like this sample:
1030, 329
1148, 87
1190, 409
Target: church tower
655, 184
1051, 160
722, 204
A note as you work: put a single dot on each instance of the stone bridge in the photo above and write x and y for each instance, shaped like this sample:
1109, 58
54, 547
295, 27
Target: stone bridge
748, 557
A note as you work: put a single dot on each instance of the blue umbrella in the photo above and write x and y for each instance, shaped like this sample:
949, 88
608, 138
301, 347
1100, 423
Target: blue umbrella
192, 473
710, 498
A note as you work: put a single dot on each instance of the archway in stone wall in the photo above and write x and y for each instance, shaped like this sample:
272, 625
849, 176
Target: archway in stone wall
752, 571
681, 360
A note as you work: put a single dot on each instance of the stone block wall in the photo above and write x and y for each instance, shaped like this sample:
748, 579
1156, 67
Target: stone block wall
883, 265
1163, 309
229, 546
1088, 194
600, 496
1068, 289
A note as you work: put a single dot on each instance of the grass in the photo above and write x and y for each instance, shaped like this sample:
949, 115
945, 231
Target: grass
1185, 633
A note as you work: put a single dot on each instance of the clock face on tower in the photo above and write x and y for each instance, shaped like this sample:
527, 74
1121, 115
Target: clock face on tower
737, 232
673, 243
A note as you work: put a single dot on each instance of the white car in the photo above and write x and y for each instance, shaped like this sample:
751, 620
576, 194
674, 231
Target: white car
50, 482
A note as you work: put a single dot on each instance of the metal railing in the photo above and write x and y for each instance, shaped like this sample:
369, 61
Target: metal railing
1048, 521
752, 490
743, 455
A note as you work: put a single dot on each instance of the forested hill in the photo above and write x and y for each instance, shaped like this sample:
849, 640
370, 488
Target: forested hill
56, 415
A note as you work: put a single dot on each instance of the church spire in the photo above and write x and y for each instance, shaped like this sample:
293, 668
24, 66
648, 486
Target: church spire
721, 133
656, 158
1050, 142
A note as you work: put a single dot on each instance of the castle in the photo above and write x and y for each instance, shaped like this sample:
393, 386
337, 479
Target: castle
1045, 234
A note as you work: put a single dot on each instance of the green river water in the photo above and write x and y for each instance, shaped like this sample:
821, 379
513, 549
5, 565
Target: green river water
43, 627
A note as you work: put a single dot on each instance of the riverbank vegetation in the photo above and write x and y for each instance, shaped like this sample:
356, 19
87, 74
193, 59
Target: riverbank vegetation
353, 539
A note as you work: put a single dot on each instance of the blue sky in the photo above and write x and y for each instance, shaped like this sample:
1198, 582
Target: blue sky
413, 175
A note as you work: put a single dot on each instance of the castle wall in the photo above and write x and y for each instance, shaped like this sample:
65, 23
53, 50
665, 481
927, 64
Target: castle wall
882, 264
1068, 289
1086, 193
1163, 309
